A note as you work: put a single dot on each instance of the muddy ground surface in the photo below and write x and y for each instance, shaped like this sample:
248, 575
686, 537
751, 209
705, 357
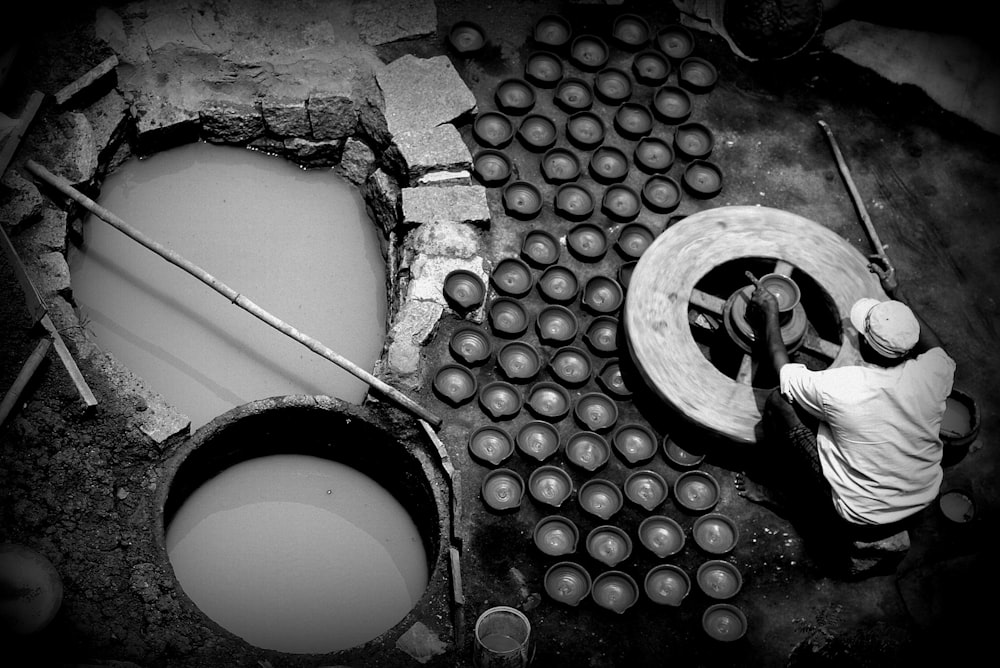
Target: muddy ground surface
76, 485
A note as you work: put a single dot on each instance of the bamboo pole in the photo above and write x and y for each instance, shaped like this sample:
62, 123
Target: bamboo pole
236, 298
877, 244
21, 382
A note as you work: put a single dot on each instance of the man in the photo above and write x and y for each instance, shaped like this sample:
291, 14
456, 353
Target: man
860, 444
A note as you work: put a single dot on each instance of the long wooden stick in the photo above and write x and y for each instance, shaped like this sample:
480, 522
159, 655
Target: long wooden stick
21, 382
877, 244
236, 298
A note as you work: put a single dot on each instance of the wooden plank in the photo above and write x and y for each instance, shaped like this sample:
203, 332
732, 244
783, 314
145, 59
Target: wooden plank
14, 139
33, 301
67, 93
707, 302
67, 359
27, 371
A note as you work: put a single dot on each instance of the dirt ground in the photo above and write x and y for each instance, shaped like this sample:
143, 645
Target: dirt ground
74, 485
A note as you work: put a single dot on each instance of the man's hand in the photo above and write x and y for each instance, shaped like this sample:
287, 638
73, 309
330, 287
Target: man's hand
880, 265
764, 303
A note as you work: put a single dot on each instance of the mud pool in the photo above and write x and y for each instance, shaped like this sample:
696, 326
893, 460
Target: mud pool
298, 554
297, 242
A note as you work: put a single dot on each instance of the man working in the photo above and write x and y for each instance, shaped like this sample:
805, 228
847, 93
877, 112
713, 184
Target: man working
860, 444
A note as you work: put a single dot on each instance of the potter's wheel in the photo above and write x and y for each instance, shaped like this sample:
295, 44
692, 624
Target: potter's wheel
667, 299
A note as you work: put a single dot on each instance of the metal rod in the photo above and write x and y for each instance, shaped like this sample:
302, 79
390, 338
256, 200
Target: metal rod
236, 298
877, 244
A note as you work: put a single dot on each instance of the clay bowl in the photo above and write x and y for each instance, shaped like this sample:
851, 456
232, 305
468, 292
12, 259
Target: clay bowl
630, 31
556, 325
611, 381
574, 202
650, 67
961, 422
661, 535
552, 32
693, 140
491, 167
538, 440
567, 583
608, 165
519, 361
621, 203
470, 345
613, 86
493, 129
596, 411
697, 491
676, 41
512, 277
555, 536
957, 505
558, 284
653, 155
549, 401
455, 384
574, 94
491, 444
608, 544
550, 485
724, 622
600, 498
647, 489
719, 579
715, 533
522, 200
672, 104
587, 450
515, 96
667, 584
537, 133
602, 335
543, 68
615, 591
697, 74
589, 52
703, 179
679, 456
784, 289
467, 37
571, 366
540, 248
585, 129
464, 289
635, 442
625, 273
633, 120
603, 295
508, 317
661, 193
502, 489
587, 241
633, 240
500, 400
560, 165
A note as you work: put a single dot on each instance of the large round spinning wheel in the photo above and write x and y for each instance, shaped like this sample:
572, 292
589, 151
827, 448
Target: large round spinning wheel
666, 300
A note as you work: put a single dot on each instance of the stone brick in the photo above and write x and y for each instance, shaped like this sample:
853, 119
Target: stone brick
231, 122
422, 93
438, 149
332, 116
460, 204
286, 118
357, 161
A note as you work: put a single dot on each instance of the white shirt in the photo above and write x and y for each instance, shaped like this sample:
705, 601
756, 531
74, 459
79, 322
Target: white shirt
879, 436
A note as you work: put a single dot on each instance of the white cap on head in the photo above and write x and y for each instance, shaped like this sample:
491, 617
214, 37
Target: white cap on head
890, 327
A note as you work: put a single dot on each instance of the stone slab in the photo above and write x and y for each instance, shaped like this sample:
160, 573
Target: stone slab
460, 204
438, 149
422, 93
384, 21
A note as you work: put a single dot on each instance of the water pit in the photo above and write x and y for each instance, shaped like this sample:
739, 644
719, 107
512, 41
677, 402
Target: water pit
298, 525
297, 242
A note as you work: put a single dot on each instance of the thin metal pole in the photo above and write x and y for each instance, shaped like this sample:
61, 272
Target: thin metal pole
236, 298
